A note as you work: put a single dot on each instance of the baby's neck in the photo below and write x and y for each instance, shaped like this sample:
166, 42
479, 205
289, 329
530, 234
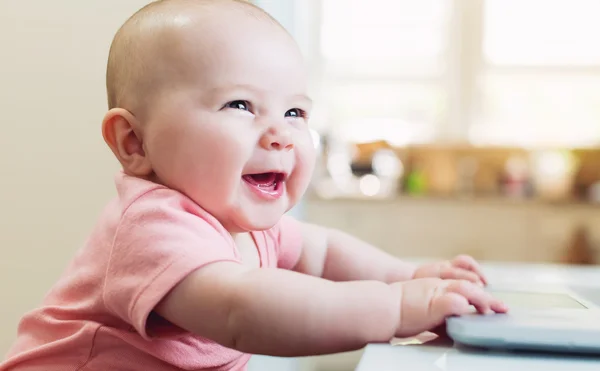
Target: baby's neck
246, 246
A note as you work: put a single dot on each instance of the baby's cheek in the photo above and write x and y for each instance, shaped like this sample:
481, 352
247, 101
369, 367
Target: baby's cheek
306, 155
305, 163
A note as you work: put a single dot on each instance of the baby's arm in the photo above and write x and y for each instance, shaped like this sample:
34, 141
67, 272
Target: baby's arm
284, 313
338, 256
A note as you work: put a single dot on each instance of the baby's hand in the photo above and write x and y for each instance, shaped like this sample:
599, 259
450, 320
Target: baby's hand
427, 302
462, 267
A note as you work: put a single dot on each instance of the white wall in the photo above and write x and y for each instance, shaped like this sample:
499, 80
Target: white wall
56, 172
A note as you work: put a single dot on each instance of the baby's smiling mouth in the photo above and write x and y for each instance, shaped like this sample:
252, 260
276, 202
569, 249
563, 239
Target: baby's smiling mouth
267, 184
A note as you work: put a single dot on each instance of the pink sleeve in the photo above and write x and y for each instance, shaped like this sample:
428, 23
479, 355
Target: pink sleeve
289, 242
162, 237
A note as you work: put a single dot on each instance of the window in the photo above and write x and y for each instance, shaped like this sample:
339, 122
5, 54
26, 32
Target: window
492, 72
383, 64
383, 38
540, 80
541, 32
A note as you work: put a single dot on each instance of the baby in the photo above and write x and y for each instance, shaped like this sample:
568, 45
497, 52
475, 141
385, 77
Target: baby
194, 265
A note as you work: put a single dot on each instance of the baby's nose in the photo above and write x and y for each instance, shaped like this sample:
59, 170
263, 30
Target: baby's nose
278, 140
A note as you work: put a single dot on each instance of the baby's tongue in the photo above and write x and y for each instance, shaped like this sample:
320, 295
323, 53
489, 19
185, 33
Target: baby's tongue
264, 179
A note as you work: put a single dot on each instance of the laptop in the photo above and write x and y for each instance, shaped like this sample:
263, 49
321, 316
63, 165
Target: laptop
539, 319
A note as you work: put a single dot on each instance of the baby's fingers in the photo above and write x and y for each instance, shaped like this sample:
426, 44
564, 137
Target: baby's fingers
442, 306
450, 304
478, 297
455, 273
468, 263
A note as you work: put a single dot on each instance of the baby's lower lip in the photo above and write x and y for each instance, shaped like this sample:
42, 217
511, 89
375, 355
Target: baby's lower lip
266, 193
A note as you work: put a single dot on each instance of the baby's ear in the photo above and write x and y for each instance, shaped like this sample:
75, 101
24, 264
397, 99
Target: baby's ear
120, 130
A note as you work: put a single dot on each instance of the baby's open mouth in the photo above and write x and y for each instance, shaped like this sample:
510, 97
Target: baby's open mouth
269, 182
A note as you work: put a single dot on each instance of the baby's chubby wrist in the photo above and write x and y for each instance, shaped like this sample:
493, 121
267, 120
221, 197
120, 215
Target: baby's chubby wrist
397, 297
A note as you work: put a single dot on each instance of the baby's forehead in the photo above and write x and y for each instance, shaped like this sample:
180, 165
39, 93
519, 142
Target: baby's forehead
201, 35
172, 39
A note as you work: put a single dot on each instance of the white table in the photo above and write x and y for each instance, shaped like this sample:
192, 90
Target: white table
443, 355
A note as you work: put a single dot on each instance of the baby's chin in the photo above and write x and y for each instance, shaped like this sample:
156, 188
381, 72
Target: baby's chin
258, 219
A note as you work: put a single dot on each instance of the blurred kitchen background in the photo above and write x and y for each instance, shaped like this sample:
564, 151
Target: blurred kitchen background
443, 127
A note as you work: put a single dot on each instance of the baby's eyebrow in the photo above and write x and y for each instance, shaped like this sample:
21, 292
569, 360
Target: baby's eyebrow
232, 87
304, 97
252, 89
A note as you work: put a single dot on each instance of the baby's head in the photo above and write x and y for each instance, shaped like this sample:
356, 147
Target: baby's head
208, 97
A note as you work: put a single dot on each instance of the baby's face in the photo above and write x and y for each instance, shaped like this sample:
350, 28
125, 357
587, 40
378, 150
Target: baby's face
232, 132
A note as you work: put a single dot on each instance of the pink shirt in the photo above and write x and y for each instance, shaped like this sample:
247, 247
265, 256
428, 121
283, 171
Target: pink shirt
98, 316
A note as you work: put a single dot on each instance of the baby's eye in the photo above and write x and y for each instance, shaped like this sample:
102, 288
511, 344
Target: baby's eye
295, 112
238, 104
